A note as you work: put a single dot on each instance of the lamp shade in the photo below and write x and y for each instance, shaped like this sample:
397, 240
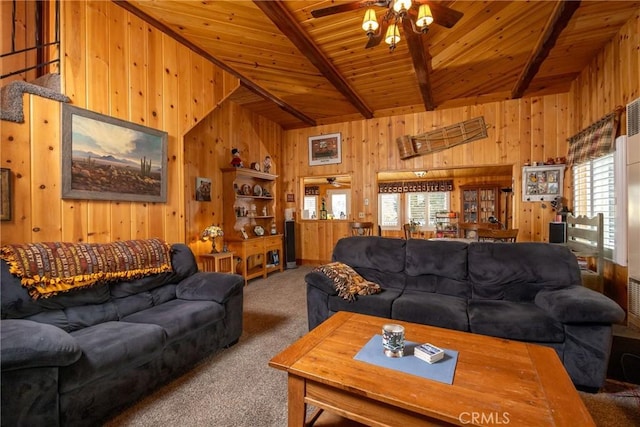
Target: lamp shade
425, 18
393, 35
399, 5
370, 23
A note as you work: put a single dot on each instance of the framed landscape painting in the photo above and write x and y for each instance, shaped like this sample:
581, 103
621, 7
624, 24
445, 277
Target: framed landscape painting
104, 158
325, 149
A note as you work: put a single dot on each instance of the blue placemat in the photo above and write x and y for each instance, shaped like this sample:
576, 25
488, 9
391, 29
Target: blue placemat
441, 371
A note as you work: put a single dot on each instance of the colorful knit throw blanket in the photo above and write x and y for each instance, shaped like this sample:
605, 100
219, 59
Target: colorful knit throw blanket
48, 268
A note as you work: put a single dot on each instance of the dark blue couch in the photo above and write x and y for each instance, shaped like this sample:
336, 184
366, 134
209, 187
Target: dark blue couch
79, 357
521, 291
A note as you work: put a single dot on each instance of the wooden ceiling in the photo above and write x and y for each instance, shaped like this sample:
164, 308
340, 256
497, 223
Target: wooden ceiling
302, 71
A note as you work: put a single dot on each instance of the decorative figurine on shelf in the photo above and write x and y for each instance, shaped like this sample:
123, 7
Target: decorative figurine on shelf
267, 164
236, 161
274, 230
211, 233
323, 211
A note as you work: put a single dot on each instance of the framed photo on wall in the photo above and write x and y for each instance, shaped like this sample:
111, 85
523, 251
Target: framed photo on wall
325, 149
203, 189
104, 158
542, 183
5, 194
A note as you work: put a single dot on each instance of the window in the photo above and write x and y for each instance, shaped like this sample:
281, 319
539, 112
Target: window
338, 203
310, 206
594, 192
389, 210
419, 207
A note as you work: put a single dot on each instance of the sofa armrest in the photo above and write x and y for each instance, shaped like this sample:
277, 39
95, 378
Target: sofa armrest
577, 304
321, 281
28, 344
209, 286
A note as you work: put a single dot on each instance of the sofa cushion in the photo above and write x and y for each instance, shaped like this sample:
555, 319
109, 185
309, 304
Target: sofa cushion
518, 271
27, 344
377, 253
347, 282
205, 286
375, 305
428, 308
179, 317
437, 258
513, 320
111, 347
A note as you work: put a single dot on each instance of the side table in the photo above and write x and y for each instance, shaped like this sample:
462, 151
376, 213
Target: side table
221, 262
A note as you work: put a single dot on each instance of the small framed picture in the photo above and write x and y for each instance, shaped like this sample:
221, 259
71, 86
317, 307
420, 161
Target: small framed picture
203, 189
325, 149
5, 193
323, 214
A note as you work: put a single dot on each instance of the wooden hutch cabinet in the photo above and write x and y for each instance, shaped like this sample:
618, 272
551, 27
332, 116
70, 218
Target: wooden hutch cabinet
478, 203
249, 220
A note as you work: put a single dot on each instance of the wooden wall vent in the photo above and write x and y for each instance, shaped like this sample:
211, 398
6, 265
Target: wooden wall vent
441, 139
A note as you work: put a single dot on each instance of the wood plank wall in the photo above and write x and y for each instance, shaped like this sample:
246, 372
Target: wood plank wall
208, 149
612, 79
530, 129
115, 64
524, 130
16, 37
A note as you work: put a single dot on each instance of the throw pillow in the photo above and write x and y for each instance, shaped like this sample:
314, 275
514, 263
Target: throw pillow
347, 282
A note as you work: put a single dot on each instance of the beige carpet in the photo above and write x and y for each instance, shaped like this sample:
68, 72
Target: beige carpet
236, 387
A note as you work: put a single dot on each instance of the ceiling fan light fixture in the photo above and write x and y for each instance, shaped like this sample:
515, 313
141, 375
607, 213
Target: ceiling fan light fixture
393, 35
370, 22
401, 5
425, 17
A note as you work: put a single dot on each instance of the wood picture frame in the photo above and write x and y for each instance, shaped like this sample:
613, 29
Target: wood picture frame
325, 149
6, 207
105, 158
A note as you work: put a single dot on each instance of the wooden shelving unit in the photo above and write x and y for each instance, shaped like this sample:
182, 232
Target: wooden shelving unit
447, 224
249, 206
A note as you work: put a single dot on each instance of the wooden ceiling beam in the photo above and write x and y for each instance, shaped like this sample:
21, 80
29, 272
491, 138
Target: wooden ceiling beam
421, 64
243, 80
559, 19
286, 22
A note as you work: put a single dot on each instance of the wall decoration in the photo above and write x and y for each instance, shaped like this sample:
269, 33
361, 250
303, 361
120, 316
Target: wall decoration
203, 189
5, 194
291, 197
325, 149
104, 158
542, 183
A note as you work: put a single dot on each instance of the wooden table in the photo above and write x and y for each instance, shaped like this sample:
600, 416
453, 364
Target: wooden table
496, 382
221, 262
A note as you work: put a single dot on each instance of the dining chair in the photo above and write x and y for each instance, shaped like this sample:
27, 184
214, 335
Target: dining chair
362, 228
407, 231
507, 236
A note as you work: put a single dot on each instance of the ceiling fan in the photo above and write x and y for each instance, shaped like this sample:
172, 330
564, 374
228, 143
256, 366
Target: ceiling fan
413, 16
332, 181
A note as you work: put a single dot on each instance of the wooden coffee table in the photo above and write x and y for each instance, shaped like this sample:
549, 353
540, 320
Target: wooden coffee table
496, 382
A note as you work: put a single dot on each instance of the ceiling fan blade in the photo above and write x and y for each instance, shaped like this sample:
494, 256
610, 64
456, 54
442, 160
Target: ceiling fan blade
443, 15
376, 38
339, 8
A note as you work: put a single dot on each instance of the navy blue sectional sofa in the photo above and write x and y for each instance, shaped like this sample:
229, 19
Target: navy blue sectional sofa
79, 357
521, 291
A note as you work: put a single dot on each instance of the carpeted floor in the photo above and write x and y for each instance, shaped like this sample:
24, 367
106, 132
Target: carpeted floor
236, 387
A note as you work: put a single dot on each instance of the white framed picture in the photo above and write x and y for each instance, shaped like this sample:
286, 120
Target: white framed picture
542, 183
325, 149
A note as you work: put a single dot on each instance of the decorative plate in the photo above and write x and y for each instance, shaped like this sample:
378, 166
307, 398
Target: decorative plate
246, 189
259, 230
257, 190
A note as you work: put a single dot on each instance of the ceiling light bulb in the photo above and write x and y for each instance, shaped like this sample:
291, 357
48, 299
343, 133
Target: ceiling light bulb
400, 5
370, 23
393, 35
425, 18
